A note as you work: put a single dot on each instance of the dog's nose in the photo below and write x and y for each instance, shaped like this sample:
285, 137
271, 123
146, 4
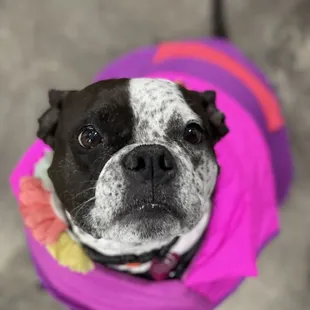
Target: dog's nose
150, 163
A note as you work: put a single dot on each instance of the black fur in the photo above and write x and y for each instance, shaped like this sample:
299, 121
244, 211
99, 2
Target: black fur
204, 104
49, 119
104, 105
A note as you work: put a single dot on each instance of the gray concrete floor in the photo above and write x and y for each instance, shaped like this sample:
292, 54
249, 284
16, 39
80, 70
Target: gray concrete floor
60, 43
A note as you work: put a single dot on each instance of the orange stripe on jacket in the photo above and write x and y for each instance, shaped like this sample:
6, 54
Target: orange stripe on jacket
268, 102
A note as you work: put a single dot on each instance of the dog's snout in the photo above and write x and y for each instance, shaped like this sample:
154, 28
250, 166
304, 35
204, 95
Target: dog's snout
150, 162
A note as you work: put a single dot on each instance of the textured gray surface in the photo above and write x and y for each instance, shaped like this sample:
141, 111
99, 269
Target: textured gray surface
59, 43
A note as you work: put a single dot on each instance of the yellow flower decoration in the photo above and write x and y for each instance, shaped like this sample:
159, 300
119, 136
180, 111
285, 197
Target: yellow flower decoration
69, 253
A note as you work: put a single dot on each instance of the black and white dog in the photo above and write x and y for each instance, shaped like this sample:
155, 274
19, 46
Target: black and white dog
134, 165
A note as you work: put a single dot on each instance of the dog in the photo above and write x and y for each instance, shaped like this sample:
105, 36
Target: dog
134, 163
134, 160
151, 179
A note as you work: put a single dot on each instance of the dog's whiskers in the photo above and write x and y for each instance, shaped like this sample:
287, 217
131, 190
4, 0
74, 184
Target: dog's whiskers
83, 191
78, 208
88, 181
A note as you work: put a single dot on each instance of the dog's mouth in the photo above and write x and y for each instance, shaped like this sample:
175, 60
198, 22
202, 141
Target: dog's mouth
149, 211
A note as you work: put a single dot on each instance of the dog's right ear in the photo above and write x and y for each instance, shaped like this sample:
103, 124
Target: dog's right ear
49, 119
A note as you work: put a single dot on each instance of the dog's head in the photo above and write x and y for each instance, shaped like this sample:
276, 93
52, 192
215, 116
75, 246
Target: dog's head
133, 158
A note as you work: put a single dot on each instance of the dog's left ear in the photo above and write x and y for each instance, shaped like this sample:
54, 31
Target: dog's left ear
49, 119
215, 117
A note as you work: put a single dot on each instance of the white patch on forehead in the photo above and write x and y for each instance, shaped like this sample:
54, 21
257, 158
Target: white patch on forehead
154, 102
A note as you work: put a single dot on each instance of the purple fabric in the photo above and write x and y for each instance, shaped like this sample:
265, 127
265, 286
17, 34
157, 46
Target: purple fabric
134, 64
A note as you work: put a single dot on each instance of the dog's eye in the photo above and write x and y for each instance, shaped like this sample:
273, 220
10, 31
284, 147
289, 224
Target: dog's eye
193, 133
89, 137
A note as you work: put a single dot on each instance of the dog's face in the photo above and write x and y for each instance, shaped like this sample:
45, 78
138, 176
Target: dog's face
133, 158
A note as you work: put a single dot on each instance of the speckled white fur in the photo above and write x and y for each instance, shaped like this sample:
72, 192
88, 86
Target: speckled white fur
155, 101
